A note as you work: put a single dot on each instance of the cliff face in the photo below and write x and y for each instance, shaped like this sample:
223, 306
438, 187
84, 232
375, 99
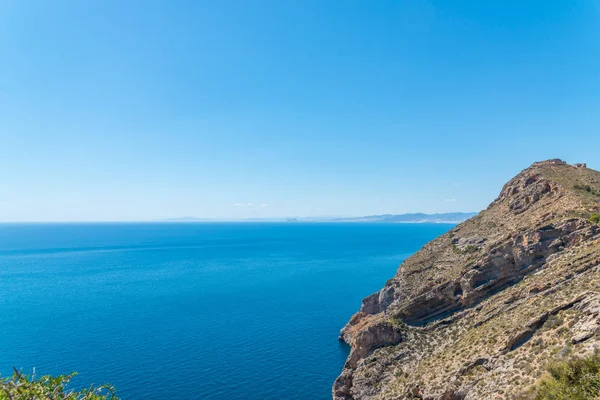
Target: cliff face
477, 312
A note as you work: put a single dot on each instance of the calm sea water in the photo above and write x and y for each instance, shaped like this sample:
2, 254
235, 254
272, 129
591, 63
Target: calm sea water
192, 311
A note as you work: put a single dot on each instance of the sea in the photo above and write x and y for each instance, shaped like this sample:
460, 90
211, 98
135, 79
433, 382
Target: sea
215, 311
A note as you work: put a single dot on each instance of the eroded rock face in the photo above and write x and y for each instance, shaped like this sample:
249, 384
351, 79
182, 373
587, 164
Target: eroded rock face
382, 333
503, 264
379, 301
489, 288
527, 190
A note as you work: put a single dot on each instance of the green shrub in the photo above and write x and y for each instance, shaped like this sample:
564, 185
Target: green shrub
575, 379
595, 218
586, 188
471, 248
28, 387
465, 250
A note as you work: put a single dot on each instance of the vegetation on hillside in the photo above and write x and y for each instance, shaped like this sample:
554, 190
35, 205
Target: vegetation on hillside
29, 387
587, 188
574, 379
488, 304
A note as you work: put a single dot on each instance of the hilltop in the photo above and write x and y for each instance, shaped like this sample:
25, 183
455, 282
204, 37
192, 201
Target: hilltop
478, 312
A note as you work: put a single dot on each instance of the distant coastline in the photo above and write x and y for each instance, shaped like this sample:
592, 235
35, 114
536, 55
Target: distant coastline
414, 218
408, 218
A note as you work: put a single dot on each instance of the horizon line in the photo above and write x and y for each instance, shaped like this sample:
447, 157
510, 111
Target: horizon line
189, 219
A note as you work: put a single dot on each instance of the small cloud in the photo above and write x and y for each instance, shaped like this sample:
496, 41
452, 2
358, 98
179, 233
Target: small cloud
264, 205
449, 200
250, 204
238, 205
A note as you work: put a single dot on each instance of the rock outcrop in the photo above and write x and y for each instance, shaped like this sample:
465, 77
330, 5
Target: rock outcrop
477, 312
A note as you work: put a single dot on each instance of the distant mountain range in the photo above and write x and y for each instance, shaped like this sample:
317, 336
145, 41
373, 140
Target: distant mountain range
414, 217
392, 218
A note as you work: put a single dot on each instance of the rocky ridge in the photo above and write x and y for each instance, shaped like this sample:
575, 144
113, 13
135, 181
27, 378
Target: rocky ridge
477, 312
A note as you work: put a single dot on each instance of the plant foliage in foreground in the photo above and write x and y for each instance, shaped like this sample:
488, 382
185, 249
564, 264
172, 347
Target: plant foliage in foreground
28, 387
575, 379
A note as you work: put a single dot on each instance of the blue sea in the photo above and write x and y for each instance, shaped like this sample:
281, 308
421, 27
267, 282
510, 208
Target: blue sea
210, 311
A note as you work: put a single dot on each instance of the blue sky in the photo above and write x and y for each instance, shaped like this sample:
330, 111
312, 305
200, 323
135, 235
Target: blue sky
135, 110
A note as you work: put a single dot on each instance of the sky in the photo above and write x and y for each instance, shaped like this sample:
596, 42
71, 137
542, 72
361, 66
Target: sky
134, 110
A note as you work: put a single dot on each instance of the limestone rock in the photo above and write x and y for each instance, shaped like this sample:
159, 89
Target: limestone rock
476, 312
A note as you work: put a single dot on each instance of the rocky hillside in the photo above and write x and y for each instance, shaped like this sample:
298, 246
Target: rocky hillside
477, 312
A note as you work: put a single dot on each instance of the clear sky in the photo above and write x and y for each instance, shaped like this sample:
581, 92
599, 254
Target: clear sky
136, 110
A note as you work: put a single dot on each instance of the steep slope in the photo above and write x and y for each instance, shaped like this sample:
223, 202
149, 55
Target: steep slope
477, 312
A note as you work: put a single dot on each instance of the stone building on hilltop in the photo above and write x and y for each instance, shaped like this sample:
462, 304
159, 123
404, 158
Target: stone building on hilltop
554, 161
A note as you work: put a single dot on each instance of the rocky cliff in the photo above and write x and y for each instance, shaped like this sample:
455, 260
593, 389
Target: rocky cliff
477, 312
